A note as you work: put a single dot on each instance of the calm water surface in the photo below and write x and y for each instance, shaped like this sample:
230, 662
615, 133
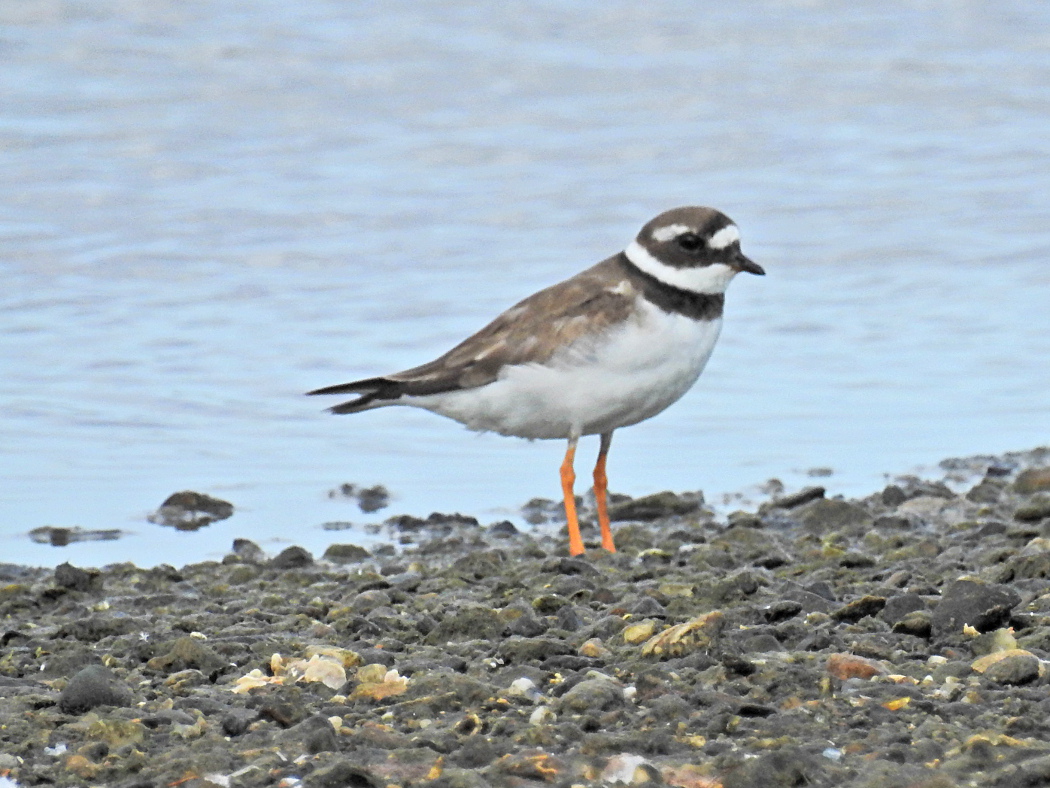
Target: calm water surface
210, 208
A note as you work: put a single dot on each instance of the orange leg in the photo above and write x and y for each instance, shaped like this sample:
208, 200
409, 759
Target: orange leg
568, 478
601, 485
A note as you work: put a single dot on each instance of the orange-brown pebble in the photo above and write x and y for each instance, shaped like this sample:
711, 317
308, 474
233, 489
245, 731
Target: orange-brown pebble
850, 666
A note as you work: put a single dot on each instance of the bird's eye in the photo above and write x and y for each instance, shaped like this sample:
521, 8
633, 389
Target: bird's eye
690, 241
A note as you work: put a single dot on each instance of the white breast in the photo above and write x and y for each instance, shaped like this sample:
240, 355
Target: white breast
593, 386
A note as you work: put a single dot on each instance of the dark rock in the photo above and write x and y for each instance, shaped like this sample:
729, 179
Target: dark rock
810, 602
518, 650
570, 566
542, 510
893, 496
93, 686
527, 625
248, 551
470, 623
899, 606
783, 610
744, 520
479, 565
591, 696
236, 721
856, 560
188, 511
346, 554
647, 607
314, 734
476, 752
830, 514
1036, 509
1032, 480
982, 606
60, 537
1015, 669
187, 653
987, 491
95, 628
439, 691
784, 768
803, 496
75, 579
504, 529
372, 499
293, 557
860, 608
569, 619
345, 774
655, 506
755, 641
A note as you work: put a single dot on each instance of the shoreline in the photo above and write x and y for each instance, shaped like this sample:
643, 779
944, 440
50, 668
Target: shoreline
902, 638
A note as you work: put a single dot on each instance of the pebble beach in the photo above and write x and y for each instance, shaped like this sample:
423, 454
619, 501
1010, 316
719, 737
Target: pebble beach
895, 640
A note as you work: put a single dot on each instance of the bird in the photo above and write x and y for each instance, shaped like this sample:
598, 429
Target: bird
607, 348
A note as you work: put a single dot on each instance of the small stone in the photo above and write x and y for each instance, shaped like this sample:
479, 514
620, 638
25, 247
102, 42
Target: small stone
830, 514
637, 633
860, 608
595, 649
346, 554
344, 773
657, 505
473, 622
76, 579
93, 686
897, 607
918, 623
993, 642
592, 696
1036, 509
372, 499
850, 666
248, 550
293, 557
189, 511
803, 496
987, 491
1014, 667
744, 520
236, 721
982, 606
504, 529
790, 766
1032, 480
893, 495
187, 653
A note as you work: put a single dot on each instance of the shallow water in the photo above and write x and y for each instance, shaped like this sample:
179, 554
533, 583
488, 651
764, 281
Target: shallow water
209, 210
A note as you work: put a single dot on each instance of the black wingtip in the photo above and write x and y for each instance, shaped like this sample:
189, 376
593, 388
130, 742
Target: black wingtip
365, 386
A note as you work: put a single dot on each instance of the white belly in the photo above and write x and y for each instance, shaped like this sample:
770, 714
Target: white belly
592, 387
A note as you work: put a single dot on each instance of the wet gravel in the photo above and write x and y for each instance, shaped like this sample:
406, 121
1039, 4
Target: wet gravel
897, 640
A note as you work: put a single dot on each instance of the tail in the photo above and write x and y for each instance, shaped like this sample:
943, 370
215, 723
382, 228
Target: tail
374, 393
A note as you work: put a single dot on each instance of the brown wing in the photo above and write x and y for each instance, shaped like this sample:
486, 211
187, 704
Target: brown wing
531, 331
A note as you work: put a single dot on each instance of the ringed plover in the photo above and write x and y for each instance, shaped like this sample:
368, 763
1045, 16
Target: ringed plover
607, 348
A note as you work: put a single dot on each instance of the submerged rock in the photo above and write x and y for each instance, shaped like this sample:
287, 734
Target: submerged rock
189, 511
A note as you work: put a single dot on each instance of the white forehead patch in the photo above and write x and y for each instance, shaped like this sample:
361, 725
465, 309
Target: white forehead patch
727, 236
669, 231
710, 279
